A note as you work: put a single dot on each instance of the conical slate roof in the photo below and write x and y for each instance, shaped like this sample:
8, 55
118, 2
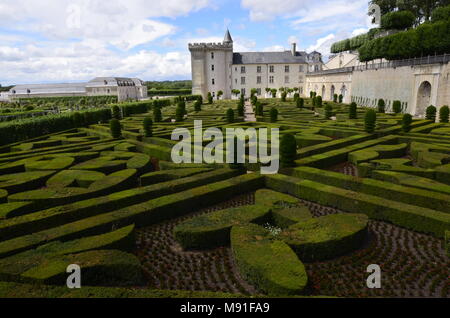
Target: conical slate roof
227, 38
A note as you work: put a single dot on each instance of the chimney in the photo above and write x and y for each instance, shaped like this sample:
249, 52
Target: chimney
294, 49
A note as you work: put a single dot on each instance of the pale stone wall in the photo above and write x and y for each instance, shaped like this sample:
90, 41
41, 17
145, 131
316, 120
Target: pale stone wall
330, 84
297, 77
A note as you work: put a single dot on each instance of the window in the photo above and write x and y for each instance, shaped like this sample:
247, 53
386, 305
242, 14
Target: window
212, 67
235, 80
286, 79
258, 80
213, 81
235, 69
212, 55
286, 69
242, 69
258, 91
258, 69
301, 69
316, 68
243, 92
272, 69
214, 94
271, 79
300, 79
242, 80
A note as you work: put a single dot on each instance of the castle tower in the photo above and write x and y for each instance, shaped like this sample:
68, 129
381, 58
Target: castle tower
211, 67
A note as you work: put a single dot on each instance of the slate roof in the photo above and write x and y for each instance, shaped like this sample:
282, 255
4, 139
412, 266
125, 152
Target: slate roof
49, 88
270, 58
228, 38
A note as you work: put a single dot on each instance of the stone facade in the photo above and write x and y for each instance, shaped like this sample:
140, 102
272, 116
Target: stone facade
215, 67
123, 88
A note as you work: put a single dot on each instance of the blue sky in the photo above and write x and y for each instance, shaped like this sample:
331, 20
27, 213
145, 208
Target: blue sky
75, 40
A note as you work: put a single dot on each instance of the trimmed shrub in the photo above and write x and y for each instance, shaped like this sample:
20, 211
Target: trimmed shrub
444, 114
370, 121
335, 98
116, 112
210, 98
213, 230
397, 106
431, 113
241, 108
352, 112
273, 115
230, 115
381, 106
328, 111
157, 115
78, 119
179, 113
296, 97
318, 101
116, 128
283, 96
341, 98
406, 122
300, 103
288, 150
148, 127
198, 106
398, 20
440, 14
267, 263
326, 237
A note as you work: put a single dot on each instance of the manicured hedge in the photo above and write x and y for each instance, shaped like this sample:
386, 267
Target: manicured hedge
99, 268
326, 237
15, 131
426, 39
76, 211
270, 265
168, 175
12, 267
143, 214
213, 229
416, 218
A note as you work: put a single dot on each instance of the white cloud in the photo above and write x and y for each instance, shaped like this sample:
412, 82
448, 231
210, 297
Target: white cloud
293, 39
274, 48
323, 44
124, 24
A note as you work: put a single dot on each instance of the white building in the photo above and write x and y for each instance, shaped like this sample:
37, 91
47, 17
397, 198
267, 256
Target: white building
123, 88
215, 67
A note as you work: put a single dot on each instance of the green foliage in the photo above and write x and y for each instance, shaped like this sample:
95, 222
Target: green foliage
441, 14
241, 108
444, 114
148, 127
335, 98
116, 128
370, 121
431, 113
397, 106
157, 115
426, 39
328, 111
352, 112
318, 101
259, 109
406, 122
169, 85
78, 119
397, 20
273, 115
283, 96
381, 106
210, 98
179, 113
253, 99
300, 103
341, 98
230, 115
198, 106
116, 113
288, 150
296, 97
274, 92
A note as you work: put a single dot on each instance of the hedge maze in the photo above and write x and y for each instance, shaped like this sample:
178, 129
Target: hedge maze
140, 225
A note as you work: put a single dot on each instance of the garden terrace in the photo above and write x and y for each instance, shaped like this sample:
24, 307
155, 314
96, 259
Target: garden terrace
71, 193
